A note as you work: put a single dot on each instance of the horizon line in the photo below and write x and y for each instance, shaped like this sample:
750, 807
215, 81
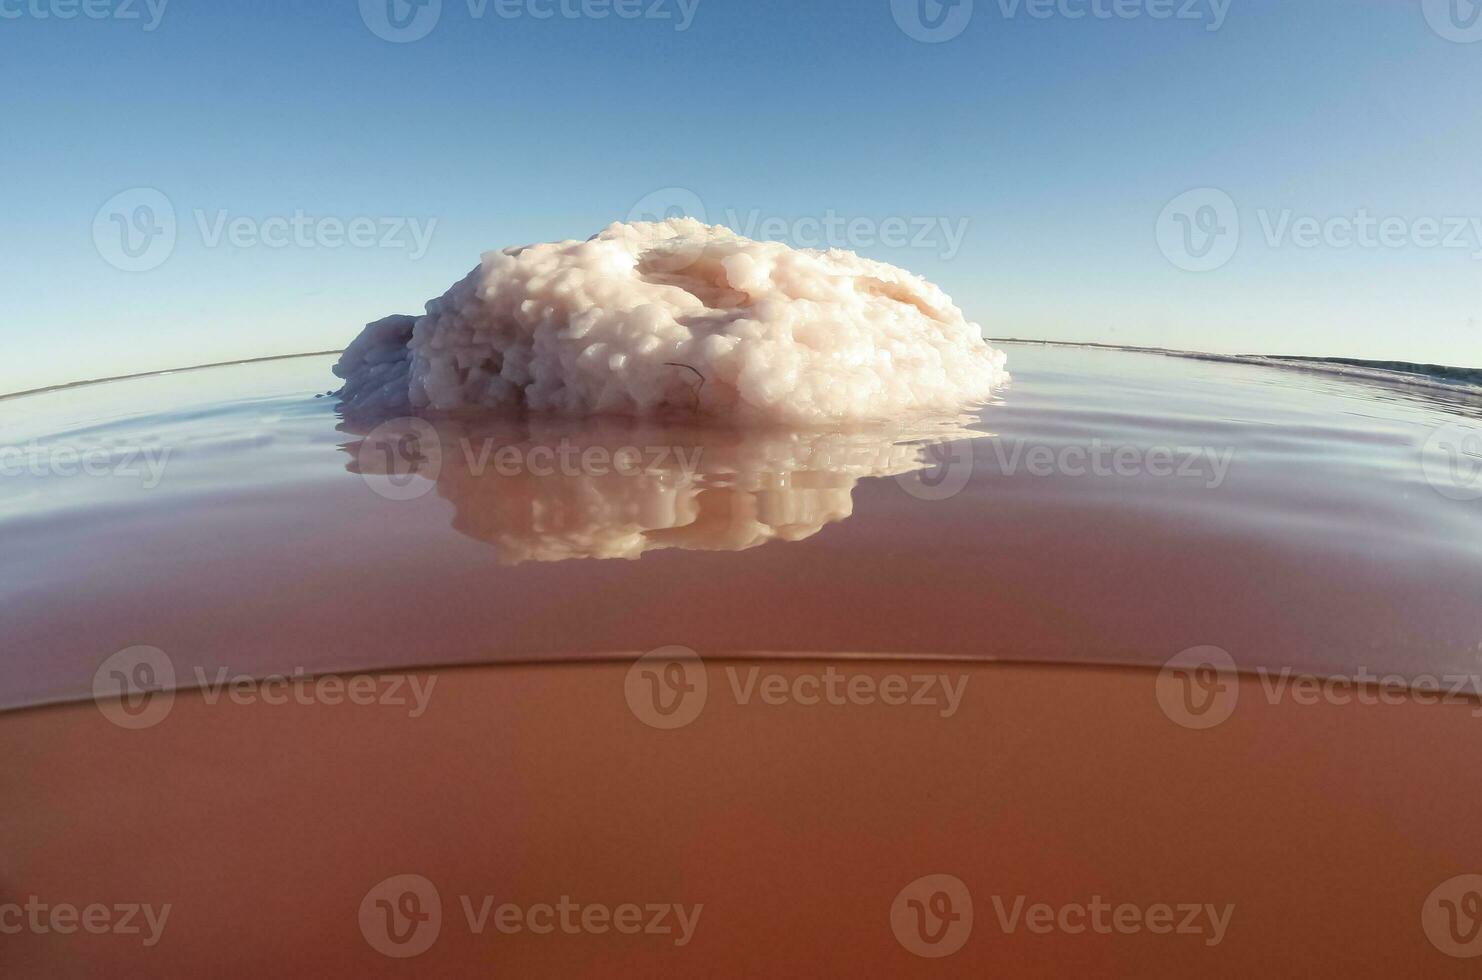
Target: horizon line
1355, 361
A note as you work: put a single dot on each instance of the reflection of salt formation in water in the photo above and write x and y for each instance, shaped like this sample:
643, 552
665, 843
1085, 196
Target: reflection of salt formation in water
544, 490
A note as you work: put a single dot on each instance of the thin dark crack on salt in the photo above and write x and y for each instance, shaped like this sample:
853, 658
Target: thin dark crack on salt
699, 387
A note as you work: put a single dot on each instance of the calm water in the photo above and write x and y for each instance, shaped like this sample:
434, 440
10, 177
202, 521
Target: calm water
1112, 507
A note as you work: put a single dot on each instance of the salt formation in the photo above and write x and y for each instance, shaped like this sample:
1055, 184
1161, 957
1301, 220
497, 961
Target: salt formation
677, 317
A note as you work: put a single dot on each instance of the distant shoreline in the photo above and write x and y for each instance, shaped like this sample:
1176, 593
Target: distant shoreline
1436, 373
150, 374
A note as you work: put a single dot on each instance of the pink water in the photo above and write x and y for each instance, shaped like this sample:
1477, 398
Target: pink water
1296, 522
1292, 522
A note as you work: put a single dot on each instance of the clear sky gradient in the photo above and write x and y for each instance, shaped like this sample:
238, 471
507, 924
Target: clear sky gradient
1028, 160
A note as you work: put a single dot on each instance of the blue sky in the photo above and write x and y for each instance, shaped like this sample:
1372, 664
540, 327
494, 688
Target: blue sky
1026, 163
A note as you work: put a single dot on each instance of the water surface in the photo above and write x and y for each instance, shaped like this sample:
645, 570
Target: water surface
1110, 507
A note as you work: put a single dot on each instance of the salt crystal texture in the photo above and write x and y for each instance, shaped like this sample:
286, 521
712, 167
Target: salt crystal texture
681, 317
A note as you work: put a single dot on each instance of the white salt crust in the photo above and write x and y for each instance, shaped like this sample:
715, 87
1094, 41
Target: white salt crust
678, 317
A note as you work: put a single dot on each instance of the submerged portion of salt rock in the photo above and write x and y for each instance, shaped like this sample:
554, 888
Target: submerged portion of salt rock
677, 316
